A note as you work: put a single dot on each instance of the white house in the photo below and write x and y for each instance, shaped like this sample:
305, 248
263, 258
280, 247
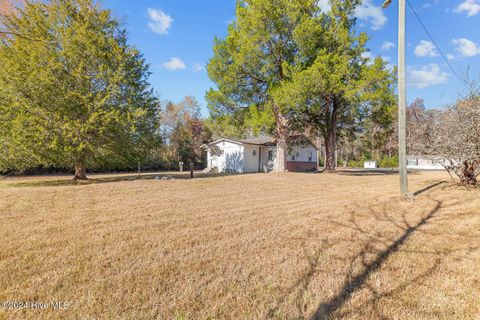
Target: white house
258, 155
424, 163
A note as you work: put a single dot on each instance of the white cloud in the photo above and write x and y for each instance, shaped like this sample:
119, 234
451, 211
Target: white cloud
430, 4
369, 12
426, 49
467, 48
450, 56
427, 76
159, 22
386, 58
387, 45
388, 65
324, 5
472, 7
367, 55
231, 20
174, 64
198, 67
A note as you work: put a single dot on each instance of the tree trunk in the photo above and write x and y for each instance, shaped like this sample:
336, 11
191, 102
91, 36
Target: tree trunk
468, 173
319, 150
330, 133
282, 147
330, 146
191, 169
330, 136
80, 171
282, 137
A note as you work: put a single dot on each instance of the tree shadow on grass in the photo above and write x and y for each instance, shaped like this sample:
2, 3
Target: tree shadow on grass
371, 172
97, 179
375, 234
356, 282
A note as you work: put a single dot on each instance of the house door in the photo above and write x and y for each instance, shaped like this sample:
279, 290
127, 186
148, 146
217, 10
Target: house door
214, 162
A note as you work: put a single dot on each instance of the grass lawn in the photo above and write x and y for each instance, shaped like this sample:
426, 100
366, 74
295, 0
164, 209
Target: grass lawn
280, 246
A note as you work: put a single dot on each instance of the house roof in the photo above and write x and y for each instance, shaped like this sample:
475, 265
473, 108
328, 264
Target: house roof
301, 139
259, 141
265, 141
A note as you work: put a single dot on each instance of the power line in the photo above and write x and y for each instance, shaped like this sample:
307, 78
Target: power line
436, 45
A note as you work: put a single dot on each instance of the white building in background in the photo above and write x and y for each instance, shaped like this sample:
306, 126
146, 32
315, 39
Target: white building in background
370, 164
258, 155
424, 163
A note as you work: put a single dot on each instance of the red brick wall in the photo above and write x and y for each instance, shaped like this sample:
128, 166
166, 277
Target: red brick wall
293, 166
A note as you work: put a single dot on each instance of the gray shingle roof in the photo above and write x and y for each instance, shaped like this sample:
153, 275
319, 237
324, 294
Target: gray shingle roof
259, 141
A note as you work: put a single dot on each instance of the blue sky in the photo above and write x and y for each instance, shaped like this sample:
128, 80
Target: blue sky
176, 38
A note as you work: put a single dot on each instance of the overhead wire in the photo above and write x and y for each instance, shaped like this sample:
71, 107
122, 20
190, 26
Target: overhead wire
463, 81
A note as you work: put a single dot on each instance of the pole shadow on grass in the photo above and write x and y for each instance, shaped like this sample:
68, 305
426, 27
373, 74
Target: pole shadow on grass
418, 192
350, 286
354, 282
374, 232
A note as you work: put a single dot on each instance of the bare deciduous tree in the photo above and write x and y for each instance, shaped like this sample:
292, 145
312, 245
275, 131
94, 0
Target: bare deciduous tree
452, 138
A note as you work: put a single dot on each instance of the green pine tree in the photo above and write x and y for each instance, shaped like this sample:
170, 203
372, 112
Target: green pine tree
336, 89
304, 66
250, 63
73, 93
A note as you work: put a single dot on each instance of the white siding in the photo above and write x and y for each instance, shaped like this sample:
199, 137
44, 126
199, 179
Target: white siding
240, 158
231, 158
423, 164
269, 164
209, 160
252, 158
302, 154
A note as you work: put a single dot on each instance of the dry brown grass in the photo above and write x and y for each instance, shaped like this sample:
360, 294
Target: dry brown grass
282, 246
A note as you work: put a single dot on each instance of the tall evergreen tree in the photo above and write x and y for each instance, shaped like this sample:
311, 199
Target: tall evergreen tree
337, 87
73, 93
250, 63
305, 65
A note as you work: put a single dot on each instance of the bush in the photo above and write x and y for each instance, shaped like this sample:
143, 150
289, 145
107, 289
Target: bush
388, 162
355, 164
321, 162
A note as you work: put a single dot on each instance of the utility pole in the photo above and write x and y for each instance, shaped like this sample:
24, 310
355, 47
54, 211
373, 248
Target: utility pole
402, 99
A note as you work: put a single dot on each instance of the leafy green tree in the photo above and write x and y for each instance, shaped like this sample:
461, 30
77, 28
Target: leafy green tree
304, 65
188, 136
258, 120
228, 125
73, 93
335, 87
242, 123
250, 63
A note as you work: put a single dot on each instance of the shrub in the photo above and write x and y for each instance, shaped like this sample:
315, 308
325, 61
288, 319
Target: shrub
388, 162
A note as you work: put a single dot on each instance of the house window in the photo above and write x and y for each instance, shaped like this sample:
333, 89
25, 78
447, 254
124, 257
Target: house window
310, 156
270, 155
293, 157
254, 152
